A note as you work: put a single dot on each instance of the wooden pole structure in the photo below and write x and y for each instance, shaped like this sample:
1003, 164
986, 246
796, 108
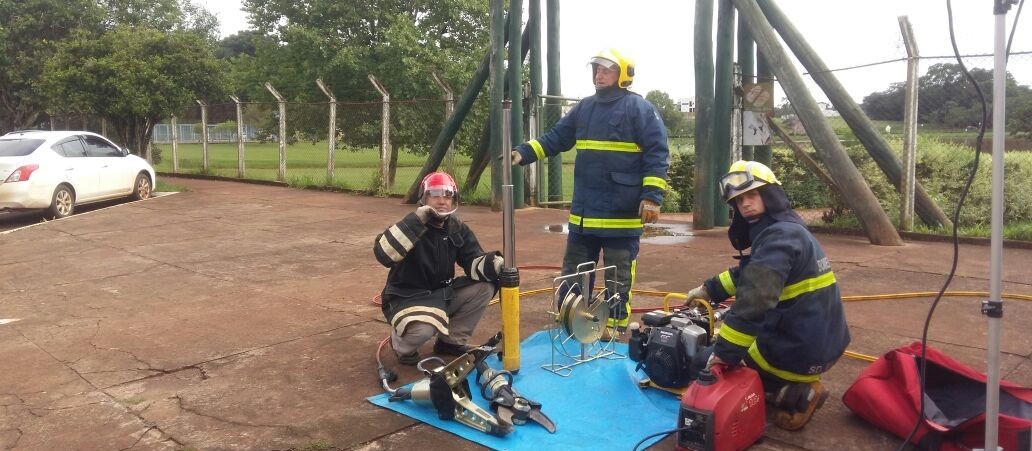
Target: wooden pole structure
497, 95
534, 171
705, 181
746, 58
763, 153
862, 127
807, 160
514, 74
858, 195
555, 164
721, 140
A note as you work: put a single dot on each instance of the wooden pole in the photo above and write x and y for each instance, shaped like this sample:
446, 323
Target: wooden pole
555, 164
721, 139
858, 195
515, 82
862, 127
805, 157
497, 95
705, 181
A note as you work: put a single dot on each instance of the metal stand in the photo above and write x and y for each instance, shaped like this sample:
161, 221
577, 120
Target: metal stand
580, 317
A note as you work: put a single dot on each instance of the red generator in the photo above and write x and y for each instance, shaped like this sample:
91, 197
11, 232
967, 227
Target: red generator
722, 410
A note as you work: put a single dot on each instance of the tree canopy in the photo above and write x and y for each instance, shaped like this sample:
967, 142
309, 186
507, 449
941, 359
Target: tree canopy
946, 97
676, 122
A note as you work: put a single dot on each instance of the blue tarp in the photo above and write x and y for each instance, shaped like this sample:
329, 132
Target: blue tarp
599, 406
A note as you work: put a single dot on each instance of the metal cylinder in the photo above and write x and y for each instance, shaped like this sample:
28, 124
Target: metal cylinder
509, 278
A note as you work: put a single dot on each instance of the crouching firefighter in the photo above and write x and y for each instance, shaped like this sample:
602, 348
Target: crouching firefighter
787, 320
422, 297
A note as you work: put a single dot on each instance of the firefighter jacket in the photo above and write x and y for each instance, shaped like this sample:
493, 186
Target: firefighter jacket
787, 316
422, 259
622, 158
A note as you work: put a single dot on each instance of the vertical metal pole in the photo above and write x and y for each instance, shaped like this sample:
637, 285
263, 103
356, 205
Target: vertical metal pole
449, 107
332, 133
993, 308
281, 174
204, 137
906, 190
510, 278
240, 135
175, 146
387, 155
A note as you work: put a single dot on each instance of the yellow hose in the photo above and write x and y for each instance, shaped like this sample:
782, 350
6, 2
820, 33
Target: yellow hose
667, 295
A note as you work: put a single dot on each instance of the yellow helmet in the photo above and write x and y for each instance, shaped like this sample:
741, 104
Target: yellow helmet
610, 57
745, 176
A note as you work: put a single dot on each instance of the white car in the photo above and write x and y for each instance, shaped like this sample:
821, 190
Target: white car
57, 170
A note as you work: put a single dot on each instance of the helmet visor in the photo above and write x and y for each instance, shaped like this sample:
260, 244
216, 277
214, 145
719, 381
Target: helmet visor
608, 64
443, 199
737, 182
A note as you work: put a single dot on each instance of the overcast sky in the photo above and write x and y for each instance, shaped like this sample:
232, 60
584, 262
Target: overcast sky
658, 35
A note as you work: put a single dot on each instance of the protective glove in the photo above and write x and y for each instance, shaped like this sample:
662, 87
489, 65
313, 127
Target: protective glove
618, 308
649, 211
516, 158
425, 212
698, 292
498, 263
714, 360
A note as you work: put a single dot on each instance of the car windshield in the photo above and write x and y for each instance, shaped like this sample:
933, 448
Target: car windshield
18, 147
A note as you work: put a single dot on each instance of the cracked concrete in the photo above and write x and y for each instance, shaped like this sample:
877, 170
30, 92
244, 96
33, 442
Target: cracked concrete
239, 317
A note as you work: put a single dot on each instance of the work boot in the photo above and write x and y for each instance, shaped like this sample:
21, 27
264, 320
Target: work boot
610, 334
410, 359
452, 349
795, 404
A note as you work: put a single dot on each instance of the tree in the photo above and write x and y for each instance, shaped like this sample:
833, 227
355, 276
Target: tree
676, 122
30, 31
134, 77
162, 15
399, 41
241, 43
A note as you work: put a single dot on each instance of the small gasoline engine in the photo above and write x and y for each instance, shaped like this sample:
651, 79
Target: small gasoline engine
666, 344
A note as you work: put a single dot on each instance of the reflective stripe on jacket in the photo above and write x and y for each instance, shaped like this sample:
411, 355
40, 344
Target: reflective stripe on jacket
622, 158
787, 315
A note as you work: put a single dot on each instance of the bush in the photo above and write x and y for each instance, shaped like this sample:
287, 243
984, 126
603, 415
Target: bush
682, 181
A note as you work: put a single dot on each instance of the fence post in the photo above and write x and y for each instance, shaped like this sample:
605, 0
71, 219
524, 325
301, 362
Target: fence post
240, 135
53, 126
281, 174
103, 126
333, 130
449, 106
907, 184
204, 137
175, 146
388, 157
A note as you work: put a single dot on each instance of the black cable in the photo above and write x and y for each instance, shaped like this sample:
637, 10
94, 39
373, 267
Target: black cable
1014, 26
956, 218
658, 434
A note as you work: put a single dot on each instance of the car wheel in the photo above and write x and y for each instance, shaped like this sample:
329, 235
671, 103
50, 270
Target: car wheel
62, 204
142, 187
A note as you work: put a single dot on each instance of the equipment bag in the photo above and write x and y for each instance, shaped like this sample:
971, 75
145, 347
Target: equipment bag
887, 394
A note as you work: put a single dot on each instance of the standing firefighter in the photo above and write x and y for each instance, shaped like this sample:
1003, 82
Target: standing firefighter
787, 321
423, 297
619, 177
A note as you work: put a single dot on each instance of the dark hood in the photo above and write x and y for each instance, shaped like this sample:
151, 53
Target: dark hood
778, 208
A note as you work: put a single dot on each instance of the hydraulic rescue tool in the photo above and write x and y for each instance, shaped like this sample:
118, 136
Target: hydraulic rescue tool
447, 389
510, 406
722, 410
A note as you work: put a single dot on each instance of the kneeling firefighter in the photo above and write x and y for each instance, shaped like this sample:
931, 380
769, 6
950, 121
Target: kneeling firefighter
422, 297
787, 320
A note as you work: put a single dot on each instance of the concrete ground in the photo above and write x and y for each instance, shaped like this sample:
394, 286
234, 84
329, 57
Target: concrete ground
240, 317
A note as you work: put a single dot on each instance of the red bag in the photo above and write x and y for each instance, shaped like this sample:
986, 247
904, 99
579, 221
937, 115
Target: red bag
886, 394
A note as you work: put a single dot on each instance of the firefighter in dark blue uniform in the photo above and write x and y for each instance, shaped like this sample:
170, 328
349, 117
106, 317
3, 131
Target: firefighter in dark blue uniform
787, 321
619, 178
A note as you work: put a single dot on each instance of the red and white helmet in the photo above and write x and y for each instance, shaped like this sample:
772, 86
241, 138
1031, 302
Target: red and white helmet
439, 184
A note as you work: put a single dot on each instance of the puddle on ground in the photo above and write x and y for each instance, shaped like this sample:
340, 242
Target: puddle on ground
660, 233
